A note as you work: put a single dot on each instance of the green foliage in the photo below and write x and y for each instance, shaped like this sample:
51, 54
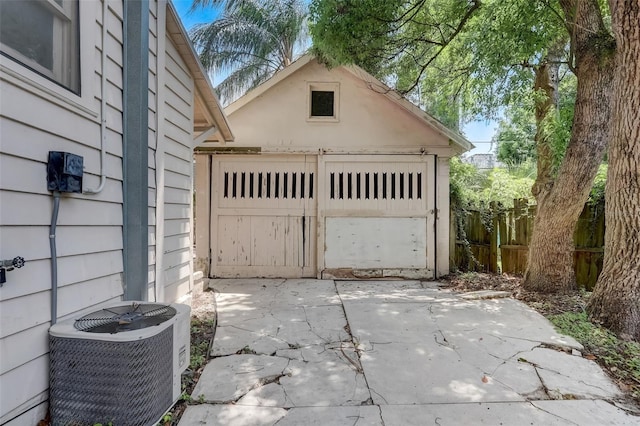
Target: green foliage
556, 127
517, 130
596, 195
199, 345
352, 32
515, 136
469, 186
465, 182
250, 42
620, 357
503, 187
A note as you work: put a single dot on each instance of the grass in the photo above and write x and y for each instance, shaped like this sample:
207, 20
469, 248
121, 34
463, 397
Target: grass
619, 357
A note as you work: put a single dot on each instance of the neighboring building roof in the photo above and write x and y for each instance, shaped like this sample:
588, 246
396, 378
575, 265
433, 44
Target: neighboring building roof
208, 110
483, 161
459, 143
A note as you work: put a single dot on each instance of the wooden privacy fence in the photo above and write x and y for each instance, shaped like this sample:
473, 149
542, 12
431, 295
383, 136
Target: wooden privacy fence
497, 240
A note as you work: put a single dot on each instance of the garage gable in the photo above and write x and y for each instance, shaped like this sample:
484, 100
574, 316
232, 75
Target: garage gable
307, 108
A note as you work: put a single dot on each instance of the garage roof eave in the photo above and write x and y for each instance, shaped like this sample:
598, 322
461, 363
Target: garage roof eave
178, 35
458, 143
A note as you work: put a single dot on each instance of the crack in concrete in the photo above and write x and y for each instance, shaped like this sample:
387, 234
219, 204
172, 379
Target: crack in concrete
557, 346
380, 412
354, 342
553, 414
371, 390
311, 329
561, 396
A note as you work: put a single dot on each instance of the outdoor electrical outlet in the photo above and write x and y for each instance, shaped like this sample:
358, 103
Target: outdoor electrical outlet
64, 172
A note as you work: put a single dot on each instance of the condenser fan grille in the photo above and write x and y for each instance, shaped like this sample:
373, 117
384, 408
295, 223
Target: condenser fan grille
125, 318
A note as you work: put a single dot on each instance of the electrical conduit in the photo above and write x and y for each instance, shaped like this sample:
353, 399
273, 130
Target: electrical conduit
54, 257
103, 107
103, 173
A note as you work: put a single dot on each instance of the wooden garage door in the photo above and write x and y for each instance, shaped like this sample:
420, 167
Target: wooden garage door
378, 214
263, 220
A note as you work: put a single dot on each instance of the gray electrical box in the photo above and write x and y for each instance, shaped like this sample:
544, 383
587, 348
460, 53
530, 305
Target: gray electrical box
64, 172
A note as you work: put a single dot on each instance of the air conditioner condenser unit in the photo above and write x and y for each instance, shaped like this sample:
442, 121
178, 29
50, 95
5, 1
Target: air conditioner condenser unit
119, 365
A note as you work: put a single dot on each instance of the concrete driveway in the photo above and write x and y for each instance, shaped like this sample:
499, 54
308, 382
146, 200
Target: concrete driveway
322, 352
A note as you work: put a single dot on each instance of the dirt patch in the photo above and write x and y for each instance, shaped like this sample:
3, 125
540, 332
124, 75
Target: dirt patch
203, 328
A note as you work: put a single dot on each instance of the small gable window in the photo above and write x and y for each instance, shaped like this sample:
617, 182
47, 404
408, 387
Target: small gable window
324, 102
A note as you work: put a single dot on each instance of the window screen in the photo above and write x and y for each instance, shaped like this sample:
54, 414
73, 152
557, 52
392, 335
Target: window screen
322, 103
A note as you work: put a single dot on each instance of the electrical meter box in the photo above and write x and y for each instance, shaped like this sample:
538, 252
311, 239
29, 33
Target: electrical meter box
64, 172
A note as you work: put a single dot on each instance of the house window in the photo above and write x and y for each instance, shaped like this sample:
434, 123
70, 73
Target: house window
323, 101
43, 35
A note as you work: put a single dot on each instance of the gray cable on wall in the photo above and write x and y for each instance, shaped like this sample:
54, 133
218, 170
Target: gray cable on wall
54, 257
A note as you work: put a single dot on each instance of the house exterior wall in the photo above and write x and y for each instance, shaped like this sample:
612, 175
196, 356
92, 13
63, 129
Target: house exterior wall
37, 116
177, 180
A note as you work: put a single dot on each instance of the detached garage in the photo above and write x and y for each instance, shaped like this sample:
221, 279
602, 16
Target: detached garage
332, 175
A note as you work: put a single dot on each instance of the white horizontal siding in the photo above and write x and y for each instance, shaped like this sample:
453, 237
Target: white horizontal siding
177, 262
89, 232
152, 143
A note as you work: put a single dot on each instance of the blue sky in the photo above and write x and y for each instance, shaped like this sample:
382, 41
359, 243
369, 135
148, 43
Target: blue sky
199, 16
478, 132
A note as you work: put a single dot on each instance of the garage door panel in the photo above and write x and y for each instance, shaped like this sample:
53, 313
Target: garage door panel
353, 242
235, 241
376, 185
377, 215
269, 241
264, 210
264, 241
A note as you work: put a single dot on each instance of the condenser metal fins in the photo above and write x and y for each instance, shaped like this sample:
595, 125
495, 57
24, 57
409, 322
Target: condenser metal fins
119, 383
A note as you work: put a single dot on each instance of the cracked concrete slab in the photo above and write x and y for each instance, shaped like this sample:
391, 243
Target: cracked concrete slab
333, 416
522, 378
389, 292
507, 318
426, 373
278, 328
314, 376
226, 379
298, 292
587, 412
569, 377
542, 413
391, 353
231, 415
390, 322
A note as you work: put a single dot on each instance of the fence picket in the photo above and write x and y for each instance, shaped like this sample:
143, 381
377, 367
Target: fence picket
503, 245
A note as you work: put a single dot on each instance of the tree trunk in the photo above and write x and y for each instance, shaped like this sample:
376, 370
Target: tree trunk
550, 264
546, 88
615, 302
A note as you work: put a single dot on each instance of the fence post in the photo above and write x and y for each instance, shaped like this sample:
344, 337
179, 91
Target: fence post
493, 240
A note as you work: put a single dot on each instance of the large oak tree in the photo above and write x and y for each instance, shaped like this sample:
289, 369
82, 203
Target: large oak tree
616, 300
561, 200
